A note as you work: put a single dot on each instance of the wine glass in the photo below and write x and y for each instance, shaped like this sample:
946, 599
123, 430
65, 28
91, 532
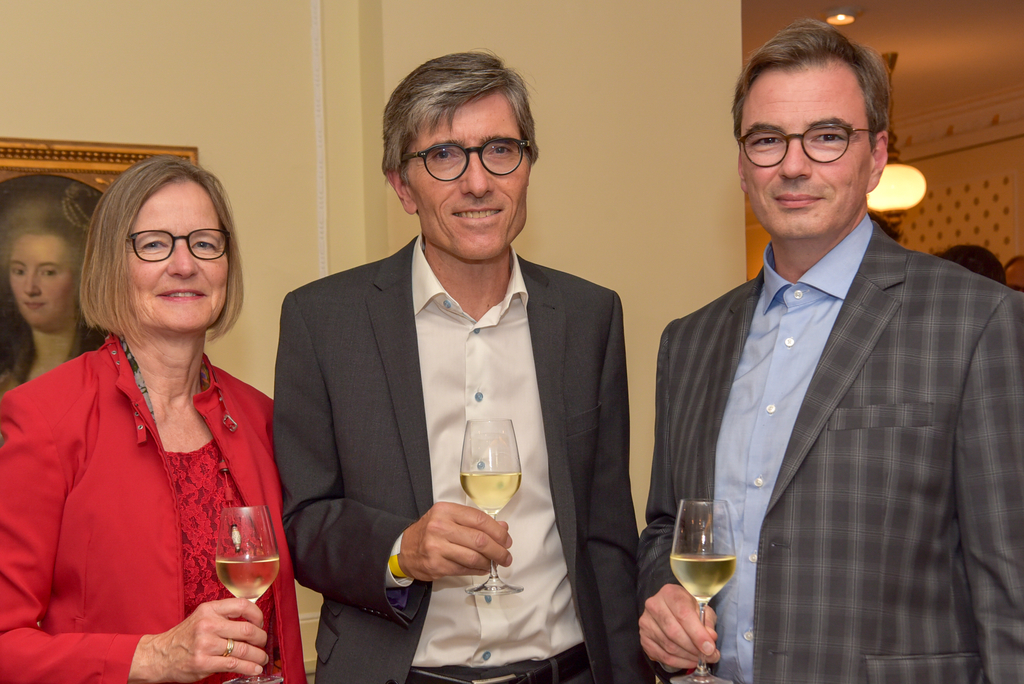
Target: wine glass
703, 560
490, 475
247, 561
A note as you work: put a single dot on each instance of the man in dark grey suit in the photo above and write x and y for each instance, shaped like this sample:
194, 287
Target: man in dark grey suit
861, 408
380, 367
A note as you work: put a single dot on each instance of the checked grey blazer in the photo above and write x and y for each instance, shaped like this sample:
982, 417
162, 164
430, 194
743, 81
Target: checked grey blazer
893, 545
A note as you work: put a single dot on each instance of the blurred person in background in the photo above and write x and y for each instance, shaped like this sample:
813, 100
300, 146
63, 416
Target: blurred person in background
1015, 273
976, 259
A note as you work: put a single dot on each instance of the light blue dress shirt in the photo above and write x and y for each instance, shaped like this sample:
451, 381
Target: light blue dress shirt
791, 324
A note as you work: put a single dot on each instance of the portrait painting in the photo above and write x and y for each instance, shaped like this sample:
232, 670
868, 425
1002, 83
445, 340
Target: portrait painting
48, 192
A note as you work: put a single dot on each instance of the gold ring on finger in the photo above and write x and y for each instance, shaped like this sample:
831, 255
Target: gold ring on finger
230, 649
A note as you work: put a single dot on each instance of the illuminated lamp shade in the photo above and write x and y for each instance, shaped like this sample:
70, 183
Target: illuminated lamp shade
900, 188
843, 16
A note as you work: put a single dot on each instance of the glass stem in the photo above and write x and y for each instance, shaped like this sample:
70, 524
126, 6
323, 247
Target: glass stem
494, 568
702, 669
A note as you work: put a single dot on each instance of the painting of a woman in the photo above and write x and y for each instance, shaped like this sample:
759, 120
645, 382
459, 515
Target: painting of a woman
43, 223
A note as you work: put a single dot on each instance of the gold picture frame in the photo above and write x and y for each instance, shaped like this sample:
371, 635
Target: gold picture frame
95, 164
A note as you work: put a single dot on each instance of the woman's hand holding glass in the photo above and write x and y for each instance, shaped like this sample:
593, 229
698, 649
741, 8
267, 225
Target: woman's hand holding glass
219, 636
247, 562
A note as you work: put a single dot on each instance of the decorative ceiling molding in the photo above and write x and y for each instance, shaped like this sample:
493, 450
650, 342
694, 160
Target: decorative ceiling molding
968, 123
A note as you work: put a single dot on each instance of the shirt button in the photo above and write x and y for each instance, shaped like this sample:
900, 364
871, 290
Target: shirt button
447, 304
759, 482
479, 396
476, 331
487, 599
748, 635
790, 341
753, 558
487, 655
770, 409
799, 294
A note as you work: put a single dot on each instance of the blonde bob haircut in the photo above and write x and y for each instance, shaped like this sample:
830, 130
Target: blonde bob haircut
107, 297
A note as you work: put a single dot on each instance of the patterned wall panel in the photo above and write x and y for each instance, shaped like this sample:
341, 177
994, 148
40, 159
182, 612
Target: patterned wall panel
978, 211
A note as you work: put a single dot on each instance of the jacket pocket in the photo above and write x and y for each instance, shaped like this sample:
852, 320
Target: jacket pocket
327, 635
963, 668
883, 416
582, 422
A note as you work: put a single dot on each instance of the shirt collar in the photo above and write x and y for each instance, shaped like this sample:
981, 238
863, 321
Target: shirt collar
833, 273
426, 287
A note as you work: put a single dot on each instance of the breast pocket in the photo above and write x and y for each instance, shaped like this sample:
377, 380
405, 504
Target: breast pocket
883, 416
964, 668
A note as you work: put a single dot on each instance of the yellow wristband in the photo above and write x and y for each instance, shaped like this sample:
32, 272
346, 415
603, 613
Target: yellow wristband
396, 570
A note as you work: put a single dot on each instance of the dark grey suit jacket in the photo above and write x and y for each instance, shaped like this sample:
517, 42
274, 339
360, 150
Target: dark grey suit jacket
893, 545
351, 445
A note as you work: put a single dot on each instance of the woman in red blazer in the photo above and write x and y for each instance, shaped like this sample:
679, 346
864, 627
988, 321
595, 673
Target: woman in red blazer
116, 464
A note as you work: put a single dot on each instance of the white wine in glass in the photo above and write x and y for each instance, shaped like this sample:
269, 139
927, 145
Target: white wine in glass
490, 476
247, 561
703, 560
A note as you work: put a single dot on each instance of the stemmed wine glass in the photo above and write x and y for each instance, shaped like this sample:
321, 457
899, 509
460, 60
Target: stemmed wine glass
247, 561
703, 560
490, 475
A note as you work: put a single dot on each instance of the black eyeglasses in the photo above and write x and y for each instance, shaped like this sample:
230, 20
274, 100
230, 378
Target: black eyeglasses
448, 161
158, 245
823, 144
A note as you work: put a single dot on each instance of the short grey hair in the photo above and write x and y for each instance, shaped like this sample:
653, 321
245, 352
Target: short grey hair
812, 43
434, 92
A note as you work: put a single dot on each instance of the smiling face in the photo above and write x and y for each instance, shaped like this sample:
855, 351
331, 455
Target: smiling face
808, 207
43, 282
475, 218
182, 295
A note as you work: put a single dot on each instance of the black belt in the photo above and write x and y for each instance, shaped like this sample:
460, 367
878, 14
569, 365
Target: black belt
560, 668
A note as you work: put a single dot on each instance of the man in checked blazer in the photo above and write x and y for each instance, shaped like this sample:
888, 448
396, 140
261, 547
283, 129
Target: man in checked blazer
861, 408
379, 369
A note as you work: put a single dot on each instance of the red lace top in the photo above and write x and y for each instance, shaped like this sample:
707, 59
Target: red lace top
202, 491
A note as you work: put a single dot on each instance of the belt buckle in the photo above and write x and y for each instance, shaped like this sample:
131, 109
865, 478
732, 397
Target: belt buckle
497, 680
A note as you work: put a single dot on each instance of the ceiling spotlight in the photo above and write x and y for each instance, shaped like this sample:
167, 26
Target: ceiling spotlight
841, 16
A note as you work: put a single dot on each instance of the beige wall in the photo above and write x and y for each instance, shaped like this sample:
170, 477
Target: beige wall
635, 188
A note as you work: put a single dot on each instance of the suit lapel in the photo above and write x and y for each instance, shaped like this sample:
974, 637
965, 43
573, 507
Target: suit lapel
546, 314
865, 313
722, 371
394, 328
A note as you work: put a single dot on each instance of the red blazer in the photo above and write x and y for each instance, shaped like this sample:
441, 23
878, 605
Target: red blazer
90, 542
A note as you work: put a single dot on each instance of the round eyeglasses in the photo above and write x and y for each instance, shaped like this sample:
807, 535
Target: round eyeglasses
448, 161
823, 144
158, 245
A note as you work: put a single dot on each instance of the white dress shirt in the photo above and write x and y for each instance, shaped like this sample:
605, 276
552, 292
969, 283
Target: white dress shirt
485, 370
